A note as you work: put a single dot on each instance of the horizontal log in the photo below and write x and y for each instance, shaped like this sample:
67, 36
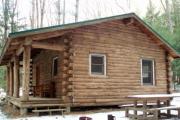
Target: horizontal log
19, 50
48, 46
67, 41
71, 50
66, 75
66, 61
65, 68
66, 54
70, 72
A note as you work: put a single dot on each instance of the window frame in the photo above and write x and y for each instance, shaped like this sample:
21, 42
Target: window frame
90, 64
54, 58
153, 65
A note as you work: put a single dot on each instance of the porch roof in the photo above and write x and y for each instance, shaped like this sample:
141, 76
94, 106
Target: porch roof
14, 39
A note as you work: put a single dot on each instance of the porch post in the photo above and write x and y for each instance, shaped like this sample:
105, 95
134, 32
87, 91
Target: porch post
26, 71
16, 77
7, 80
10, 79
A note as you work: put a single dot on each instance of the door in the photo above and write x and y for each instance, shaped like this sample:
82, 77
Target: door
38, 87
37, 76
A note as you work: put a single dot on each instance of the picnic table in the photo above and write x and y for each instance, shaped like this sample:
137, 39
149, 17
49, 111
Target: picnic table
155, 110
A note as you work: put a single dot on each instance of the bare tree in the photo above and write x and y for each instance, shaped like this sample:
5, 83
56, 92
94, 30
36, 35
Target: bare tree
64, 11
117, 3
167, 11
49, 17
12, 15
32, 14
58, 11
5, 8
9, 16
42, 11
128, 5
37, 13
95, 11
77, 10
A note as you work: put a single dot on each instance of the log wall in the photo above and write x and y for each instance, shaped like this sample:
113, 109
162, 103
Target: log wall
45, 60
124, 46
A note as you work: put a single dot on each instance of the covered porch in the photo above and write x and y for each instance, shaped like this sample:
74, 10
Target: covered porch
24, 71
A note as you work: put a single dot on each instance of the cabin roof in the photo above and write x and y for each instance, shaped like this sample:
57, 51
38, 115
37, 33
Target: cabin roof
60, 28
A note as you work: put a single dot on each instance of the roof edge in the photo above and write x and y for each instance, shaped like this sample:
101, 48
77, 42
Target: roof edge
67, 26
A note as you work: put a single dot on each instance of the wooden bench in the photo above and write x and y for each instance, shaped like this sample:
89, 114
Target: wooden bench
50, 111
153, 111
166, 108
139, 105
151, 116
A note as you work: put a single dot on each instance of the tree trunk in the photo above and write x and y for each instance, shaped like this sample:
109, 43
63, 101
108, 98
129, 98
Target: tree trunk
37, 14
42, 11
64, 11
12, 16
59, 12
77, 10
5, 5
169, 19
167, 11
32, 15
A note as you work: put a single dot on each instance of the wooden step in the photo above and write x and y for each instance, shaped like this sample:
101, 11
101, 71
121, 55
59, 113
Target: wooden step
50, 111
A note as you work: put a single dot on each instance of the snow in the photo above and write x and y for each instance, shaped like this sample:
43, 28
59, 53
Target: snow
96, 116
155, 95
119, 115
176, 100
2, 95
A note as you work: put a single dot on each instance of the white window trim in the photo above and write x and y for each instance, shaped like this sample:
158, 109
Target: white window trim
153, 73
54, 58
98, 55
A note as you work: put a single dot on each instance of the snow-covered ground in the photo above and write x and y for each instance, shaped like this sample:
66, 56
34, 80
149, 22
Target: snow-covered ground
120, 115
2, 93
95, 116
176, 100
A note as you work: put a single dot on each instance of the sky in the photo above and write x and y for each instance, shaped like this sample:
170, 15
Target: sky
89, 9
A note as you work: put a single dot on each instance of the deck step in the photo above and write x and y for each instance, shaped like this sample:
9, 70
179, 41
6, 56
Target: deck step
43, 105
50, 111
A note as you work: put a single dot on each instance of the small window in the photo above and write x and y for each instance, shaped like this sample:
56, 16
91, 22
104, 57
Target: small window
97, 64
55, 66
147, 72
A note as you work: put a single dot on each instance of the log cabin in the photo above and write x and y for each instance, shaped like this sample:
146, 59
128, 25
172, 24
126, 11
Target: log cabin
90, 63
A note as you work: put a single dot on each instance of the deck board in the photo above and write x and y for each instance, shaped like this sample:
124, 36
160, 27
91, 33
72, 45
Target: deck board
36, 102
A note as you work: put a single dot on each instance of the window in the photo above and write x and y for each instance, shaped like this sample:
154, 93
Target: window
55, 66
97, 64
147, 72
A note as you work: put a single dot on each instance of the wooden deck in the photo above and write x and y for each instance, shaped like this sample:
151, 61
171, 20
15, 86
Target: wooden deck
36, 102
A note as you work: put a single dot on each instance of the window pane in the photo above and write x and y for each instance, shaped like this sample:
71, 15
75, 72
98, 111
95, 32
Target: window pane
97, 60
99, 69
147, 71
97, 64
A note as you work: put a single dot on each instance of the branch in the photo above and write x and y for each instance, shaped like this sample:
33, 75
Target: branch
120, 6
163, 5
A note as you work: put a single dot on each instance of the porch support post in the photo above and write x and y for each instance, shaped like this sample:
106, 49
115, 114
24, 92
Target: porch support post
168, 60
7, 80
10, 79
26, 71
16, 77
23, 111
